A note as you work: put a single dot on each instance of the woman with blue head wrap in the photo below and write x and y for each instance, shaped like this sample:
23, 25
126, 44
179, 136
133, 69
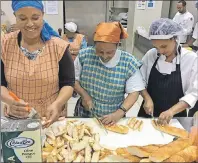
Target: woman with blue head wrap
46, 31
170, 72
36, 65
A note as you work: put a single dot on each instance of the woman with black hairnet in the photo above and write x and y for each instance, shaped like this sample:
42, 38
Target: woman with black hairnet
170, 73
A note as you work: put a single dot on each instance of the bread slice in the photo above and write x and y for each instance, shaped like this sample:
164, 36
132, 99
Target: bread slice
114, 158
142, 151
140, 127
171, 130
124, 153
169, 150
131, 122
104, 153
121, 129
145, 160
189, 154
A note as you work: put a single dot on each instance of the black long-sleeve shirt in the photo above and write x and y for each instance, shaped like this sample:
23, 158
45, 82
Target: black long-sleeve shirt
66, 69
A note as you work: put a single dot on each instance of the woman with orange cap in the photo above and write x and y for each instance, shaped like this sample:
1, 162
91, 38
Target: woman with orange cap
104, 74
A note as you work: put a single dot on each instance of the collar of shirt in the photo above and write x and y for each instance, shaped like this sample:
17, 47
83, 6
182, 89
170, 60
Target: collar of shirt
172, 65
114, 61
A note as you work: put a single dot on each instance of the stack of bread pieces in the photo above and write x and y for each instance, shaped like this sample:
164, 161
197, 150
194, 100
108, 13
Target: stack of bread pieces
132, 123
74, 142
77, 142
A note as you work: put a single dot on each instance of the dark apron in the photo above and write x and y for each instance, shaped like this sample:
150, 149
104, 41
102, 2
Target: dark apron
165, 91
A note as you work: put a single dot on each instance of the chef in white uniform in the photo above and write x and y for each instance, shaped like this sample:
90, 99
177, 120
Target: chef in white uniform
185, 19
193, 42
170, 73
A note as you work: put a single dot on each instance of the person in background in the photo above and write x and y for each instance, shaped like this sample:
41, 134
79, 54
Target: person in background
60, 31
193, 42
76, 40
170, 73
5, 23
185, 19
104, 74
35, 65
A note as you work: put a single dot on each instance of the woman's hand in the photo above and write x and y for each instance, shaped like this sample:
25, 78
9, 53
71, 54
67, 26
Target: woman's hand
17, 109
165, 117
74, 51
53, 113
113, 118
148, 106
87, 102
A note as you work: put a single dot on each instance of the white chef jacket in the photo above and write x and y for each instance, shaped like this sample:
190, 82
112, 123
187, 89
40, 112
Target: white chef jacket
186, 21
133, 84
189, 71
195, 34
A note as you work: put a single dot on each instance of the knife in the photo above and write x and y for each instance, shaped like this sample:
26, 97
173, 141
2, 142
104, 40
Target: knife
32, 112
99, 121
153, 119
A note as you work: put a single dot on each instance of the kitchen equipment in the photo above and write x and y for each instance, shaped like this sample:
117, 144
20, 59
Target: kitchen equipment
32, 112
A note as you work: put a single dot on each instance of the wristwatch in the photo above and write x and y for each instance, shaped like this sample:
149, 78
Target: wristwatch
123, 109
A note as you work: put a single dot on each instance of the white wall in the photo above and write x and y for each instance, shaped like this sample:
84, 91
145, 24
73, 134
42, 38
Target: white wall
142, 18
56, 21
6, 7
145, 17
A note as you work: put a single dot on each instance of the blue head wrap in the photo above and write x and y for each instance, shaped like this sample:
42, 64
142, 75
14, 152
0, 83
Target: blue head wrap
47, 32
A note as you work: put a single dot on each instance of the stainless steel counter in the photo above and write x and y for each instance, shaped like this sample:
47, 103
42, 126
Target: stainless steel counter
186, 122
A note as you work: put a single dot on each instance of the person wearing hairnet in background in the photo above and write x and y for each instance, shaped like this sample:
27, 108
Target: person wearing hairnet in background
77, 41
185, 19
170, 73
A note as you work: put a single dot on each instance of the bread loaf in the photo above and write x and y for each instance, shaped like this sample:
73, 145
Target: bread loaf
189, 154
170, 149
124, 153
171, 130
114, 158
145, 160
121, 129
194, 135
143, 151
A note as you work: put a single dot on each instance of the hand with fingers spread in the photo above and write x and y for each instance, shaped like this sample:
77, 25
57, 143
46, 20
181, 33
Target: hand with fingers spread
113, 118
52, 114
148, 106
17, 109
87, 102
165, 117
